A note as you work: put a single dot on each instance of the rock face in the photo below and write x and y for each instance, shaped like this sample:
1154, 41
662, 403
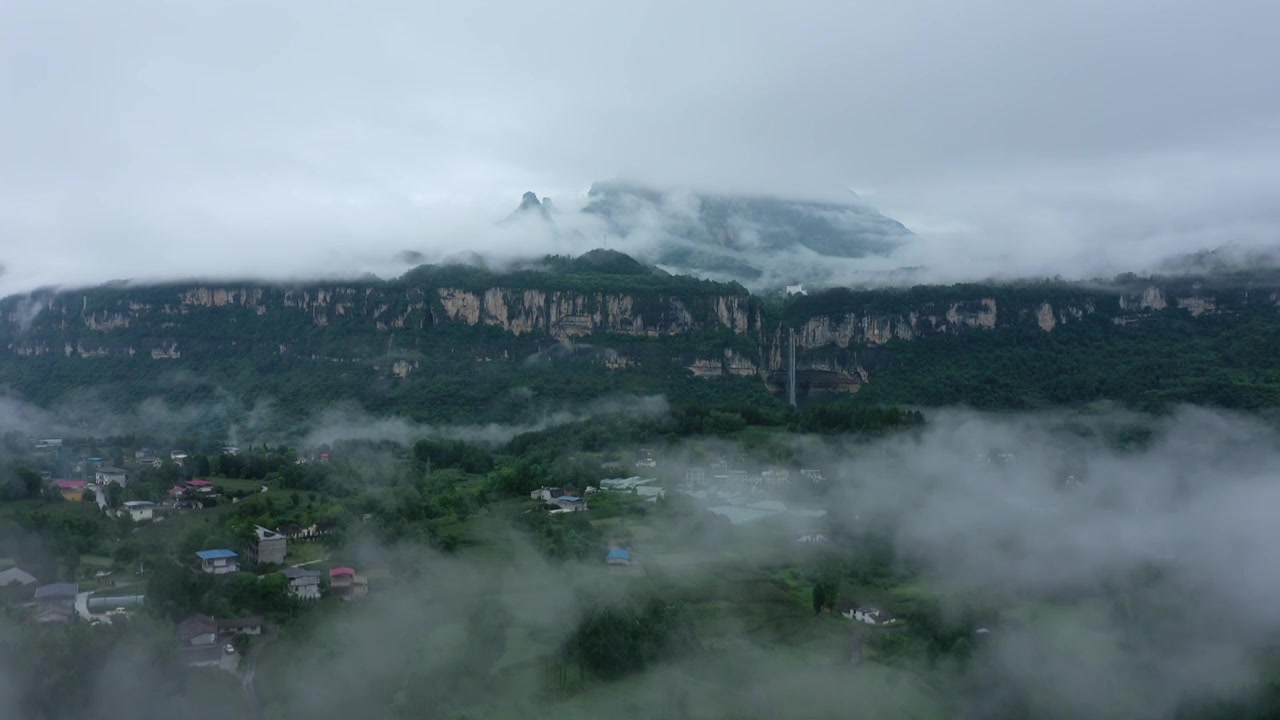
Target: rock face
710, 330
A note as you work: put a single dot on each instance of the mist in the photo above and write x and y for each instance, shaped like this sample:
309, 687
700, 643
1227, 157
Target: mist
1070, 140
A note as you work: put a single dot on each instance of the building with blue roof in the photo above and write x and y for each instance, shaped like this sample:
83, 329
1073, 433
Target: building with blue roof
618, 556
218, 562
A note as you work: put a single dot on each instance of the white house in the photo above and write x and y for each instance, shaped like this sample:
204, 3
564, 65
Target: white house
303, 583
796, 289
139, 510
218, 562
107, 474
869, 615
812, 538
177, 456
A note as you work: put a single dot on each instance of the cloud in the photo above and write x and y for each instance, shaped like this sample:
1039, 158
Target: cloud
1050, 138
353, 423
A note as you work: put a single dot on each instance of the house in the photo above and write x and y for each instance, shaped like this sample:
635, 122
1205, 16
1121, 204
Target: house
72, 490
16, 577
139, 510
871, 616
177, 456
816, 537
240, 626
176, 492
218, 562
346, 584
796, 289
57, 595
200, 486
811, 475
145, 457
198, 630
651, 491
303, 583
107, 474
231, 450
775, 477
546, 493
267, 547
198, 640
617, 556
695, 476
568, 503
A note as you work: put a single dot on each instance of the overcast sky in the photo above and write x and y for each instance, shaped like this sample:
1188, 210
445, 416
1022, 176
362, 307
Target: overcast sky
153, 139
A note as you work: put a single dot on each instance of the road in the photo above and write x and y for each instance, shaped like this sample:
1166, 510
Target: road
251, 668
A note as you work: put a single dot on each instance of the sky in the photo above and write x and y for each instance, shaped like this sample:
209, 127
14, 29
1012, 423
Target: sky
161, 140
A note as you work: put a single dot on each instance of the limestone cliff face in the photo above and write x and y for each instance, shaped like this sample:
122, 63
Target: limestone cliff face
390, 325
568, 314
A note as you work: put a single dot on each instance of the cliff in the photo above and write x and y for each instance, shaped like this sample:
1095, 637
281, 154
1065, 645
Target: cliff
632, 319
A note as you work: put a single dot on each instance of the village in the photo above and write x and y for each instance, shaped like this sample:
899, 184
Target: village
103, 595
269, 539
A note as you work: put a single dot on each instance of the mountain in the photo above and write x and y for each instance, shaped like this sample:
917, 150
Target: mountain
464, 344
742, 238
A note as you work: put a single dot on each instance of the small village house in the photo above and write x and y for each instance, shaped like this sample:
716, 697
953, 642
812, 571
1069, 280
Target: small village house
72, 490
198, 640
107, 474
218, 562
139, 510
568, 503
198, 630
617, 556
344, 583
303, 583
56, 602
267, 547
869, 615
203, 487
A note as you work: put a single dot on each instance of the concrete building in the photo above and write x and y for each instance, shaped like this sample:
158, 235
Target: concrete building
268, 546
107, 474
139, 510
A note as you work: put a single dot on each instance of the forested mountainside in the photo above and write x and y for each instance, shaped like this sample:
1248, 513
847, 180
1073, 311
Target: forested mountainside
450, 342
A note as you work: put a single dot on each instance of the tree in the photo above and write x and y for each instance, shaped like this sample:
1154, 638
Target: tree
202, 466
114, 495
819, 598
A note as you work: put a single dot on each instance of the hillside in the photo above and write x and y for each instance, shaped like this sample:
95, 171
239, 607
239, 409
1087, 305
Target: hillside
454, 344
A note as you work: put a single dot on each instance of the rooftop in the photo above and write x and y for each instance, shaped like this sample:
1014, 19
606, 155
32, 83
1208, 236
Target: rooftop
569, 498
110, 470
218, 554
265, 534
618, 554
240, 623
199, 483
16, 575
53, 590
341, 571
137, 504
69, 484
297, 572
